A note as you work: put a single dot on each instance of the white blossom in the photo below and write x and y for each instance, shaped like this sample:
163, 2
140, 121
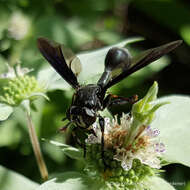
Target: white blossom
145, 147
18, 26
15, 71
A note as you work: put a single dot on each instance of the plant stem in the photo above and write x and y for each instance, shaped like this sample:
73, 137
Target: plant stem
132, 133
36, 148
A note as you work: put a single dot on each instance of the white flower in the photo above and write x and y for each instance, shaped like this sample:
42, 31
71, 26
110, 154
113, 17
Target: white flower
97, 139
13, 72
145, 146
19, 26
17, 86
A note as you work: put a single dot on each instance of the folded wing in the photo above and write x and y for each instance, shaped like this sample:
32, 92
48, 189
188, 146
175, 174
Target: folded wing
60, 58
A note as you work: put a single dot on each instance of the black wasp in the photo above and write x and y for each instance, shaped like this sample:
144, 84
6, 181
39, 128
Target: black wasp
88, 100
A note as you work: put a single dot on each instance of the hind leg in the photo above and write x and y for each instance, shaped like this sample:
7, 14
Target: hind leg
112, 100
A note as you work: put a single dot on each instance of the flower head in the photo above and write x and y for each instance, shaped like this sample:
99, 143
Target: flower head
16, 86
132, 149
19, 26
146, 146
13, 72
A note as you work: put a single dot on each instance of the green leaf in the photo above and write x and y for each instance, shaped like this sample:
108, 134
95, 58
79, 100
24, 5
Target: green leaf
144, 104
70, 33
144, 110
185, 33
70, 181
5, 111
10, 133
77, 33
78, 181
39, 94
173, 121
51, 80
70, 151
10, 180
157, 183
74, 153
95, 59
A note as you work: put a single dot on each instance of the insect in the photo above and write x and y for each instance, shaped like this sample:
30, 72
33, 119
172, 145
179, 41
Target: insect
89, 99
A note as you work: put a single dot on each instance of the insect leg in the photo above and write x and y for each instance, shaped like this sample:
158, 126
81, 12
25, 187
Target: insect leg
107, 101
64, 127
102, 124
111, 100
84, 148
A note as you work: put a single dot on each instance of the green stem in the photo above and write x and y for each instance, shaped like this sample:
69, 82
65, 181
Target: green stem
36, 148
133, 131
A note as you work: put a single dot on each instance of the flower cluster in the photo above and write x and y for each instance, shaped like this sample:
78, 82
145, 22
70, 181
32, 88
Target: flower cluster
132, 149
145, 147
16, 86
19, 26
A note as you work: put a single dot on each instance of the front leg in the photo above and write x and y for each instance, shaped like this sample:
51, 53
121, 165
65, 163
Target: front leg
102, 125
64, 128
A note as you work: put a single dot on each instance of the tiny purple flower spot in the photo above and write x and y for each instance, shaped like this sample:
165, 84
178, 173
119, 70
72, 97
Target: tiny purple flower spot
148, 127
152, 132
156, 132
160, 147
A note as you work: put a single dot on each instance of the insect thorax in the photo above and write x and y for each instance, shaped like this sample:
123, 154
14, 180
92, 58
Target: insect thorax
88, 96
85, 104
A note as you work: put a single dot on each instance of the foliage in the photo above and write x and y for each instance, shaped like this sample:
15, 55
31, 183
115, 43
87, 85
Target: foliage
86, 25
10, 180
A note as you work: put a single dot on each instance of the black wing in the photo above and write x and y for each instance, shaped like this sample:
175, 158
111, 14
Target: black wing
59, 59
142, 60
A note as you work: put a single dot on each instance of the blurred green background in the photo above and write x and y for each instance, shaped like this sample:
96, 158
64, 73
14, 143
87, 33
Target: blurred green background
86, 25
